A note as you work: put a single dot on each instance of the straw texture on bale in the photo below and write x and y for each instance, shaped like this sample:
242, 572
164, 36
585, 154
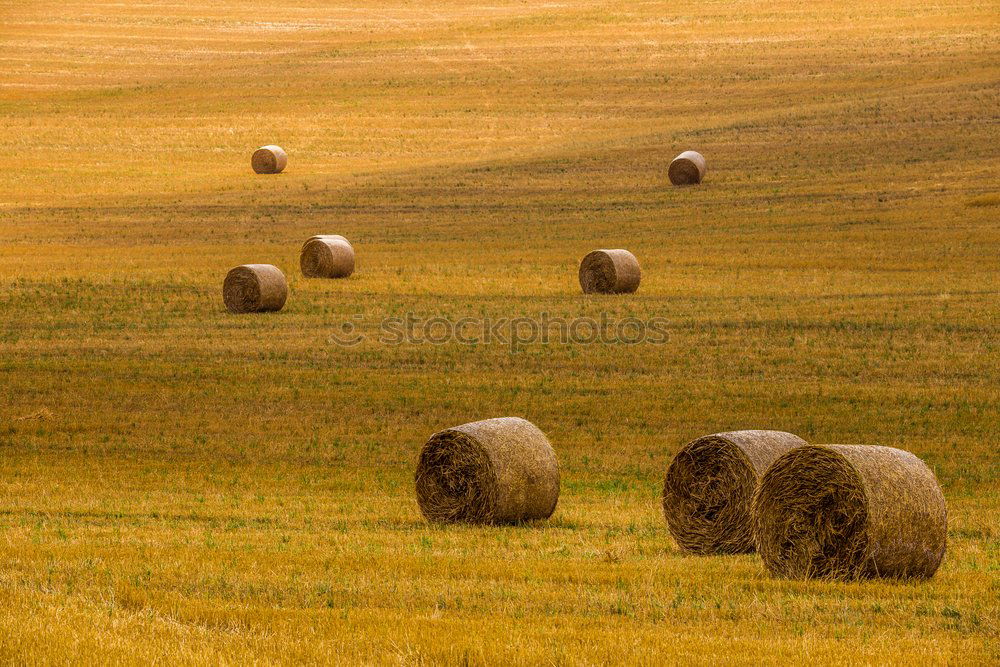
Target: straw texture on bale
688, 168
493, 471
336, 237
254, 288
850, 512
609, 272
327, 257
269, 160
709, 488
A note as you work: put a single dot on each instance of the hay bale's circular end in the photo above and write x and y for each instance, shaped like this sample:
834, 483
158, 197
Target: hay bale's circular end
709, 487
269, 160
493, 471
688, 168
327, 257
609, 272
254, 288
849, 512
455, 479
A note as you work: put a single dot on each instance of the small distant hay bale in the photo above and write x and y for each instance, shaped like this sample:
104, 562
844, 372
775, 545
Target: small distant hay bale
710, 485
850, 512
327, 256
269, 160
254, 288
688, 168
493, 471
609, 272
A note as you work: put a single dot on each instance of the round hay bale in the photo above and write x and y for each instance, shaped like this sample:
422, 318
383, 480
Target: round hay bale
492, 471
850, 512
609, 272
269, 160
709, 487
254, 288
688, 168
327, 257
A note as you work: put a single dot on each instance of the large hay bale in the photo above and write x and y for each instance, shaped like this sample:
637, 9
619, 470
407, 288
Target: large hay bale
688, 168
327, 256
609, 272
492, 471
709, 488
269, 160
254, 288
848, 512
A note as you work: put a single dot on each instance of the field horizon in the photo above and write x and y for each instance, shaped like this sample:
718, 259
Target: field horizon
179, 484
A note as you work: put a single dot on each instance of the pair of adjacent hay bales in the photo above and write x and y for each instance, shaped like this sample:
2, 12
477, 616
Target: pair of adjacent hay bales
262, 288
609, 272
811, 511
494, 471
269, 160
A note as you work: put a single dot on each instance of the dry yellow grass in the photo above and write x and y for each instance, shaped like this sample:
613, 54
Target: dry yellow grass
181, 484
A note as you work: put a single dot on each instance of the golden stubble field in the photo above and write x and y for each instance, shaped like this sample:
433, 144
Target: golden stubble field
183, 485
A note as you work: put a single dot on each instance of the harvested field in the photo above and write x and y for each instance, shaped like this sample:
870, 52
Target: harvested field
183, 485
